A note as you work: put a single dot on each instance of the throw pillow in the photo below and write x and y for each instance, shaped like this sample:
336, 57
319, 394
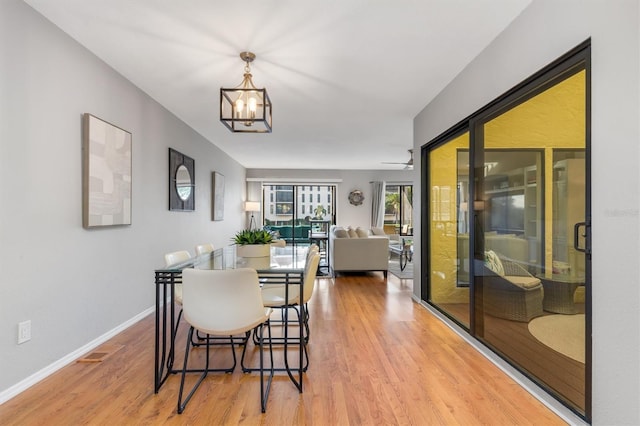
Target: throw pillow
352, 233
492, 261
341, 233
362, 233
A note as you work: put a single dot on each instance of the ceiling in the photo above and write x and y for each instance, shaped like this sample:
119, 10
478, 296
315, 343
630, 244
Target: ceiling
346, 77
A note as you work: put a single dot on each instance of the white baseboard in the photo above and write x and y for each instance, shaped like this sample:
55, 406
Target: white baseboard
25, 384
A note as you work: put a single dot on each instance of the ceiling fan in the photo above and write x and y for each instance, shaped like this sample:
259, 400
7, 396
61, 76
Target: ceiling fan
408, 165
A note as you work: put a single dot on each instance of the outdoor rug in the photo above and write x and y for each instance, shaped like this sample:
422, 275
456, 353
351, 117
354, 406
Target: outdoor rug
394, 268
562, 333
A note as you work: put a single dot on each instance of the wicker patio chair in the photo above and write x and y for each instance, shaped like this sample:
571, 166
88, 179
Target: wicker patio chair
517, 295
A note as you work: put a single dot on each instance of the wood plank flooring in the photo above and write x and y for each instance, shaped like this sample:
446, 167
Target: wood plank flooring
376, 358
562, 374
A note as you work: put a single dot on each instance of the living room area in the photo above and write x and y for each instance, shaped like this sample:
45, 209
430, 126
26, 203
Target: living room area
68, 289
303, 207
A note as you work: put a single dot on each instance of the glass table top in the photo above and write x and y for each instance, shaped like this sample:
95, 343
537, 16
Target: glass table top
281, 258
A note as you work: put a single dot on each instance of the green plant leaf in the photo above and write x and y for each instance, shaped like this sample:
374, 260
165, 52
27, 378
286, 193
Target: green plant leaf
252, 236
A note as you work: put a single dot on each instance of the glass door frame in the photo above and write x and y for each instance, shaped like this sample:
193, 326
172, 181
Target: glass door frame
574, 61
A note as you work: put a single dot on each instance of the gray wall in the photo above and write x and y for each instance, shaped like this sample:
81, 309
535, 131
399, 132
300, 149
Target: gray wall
75, 285
345, 181
544, 31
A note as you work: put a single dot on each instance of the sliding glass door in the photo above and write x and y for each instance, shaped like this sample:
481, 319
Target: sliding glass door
398, 209
289, 209
508, 253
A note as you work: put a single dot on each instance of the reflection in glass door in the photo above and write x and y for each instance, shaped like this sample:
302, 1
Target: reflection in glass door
507, 240
449, 226
530, 278
568, 213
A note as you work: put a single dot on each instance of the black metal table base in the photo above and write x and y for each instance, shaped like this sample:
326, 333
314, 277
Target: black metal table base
166, 328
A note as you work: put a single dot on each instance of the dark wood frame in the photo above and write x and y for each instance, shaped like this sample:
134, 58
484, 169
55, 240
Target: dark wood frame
177, 159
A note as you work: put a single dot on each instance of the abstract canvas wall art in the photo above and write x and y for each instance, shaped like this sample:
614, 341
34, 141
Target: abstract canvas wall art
106, 173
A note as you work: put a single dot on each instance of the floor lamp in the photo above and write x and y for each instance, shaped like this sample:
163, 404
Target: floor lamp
252, 206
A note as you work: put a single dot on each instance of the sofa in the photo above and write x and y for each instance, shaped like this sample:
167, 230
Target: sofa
354, 250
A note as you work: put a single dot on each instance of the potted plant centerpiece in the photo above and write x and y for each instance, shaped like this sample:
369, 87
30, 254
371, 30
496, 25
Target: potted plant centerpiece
253, 243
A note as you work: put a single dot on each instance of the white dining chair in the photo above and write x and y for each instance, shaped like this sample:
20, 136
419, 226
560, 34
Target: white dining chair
310, 272
204, 249
224, 303
275, 296
171, 259
278, 243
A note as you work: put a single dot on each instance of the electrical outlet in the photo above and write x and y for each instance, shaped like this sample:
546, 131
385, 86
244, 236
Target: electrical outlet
24, 331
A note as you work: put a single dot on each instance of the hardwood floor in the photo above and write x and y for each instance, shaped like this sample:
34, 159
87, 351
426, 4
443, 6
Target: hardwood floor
562, 374
376, 357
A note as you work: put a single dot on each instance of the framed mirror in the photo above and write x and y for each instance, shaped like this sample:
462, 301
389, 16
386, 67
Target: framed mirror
182, 186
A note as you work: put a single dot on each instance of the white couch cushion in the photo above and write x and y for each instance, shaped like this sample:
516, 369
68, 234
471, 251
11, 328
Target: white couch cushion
361, 233
526, 282
340, 233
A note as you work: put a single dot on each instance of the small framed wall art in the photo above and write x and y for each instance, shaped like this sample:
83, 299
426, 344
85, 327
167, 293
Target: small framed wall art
106, 173
182, 187
217, 196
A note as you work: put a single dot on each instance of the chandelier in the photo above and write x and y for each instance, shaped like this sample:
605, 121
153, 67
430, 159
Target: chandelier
245, 108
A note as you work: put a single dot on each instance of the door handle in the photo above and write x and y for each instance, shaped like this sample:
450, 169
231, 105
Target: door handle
576, 236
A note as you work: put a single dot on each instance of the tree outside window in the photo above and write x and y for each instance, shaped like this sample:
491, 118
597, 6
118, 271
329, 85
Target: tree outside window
398, 209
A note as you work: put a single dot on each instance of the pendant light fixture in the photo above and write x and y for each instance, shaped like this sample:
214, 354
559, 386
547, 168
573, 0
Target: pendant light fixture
245, 108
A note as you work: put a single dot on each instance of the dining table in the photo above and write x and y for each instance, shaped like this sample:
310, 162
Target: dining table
285, 266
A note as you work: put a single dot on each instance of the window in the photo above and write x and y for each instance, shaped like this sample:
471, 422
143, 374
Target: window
398, 209
289, 208
284, 200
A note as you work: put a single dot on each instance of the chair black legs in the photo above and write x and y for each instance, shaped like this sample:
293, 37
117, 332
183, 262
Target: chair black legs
265, 387
218, 340
181, 404
281, 322
305, 319
291, 340
264, 390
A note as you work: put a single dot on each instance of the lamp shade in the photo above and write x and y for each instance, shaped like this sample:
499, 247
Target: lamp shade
251, 206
